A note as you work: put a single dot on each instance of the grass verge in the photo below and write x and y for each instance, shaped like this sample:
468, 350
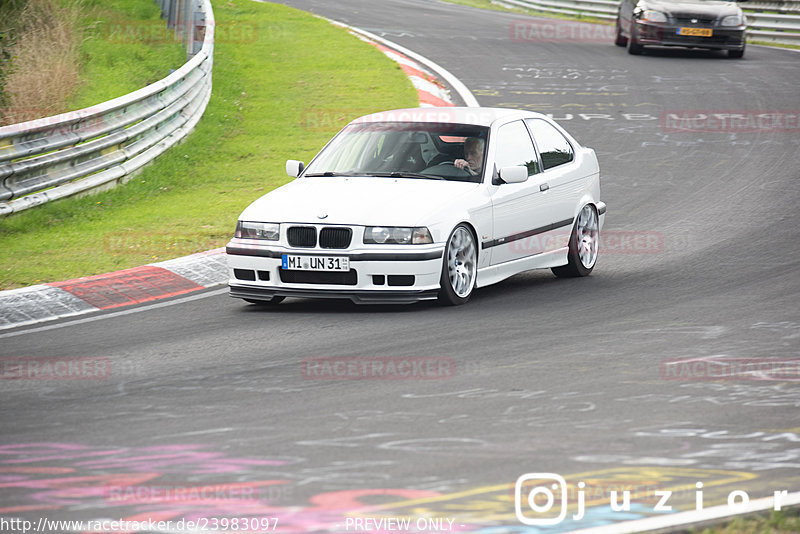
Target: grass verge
61, 55
284, 82
783, 522
39, 57
126, 45
775, 45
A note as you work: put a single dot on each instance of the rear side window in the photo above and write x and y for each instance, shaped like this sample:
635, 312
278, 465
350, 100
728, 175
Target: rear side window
553, 146
514, 147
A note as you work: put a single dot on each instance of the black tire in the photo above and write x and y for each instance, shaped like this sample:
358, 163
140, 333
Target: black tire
271, 302
621, 40
736, 54
634, 48
459, 267
583, 245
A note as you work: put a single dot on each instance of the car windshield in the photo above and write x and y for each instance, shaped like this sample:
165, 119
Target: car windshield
404, 150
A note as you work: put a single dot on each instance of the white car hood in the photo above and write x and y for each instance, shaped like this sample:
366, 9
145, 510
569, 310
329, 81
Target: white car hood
367, 201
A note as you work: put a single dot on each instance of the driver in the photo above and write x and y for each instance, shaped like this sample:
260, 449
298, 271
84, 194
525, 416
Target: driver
473, 154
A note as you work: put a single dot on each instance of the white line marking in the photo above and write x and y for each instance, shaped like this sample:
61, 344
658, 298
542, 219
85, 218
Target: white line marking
682, 519
198, 433
147, 307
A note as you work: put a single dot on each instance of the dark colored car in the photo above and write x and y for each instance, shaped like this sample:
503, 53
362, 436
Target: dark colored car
707, 24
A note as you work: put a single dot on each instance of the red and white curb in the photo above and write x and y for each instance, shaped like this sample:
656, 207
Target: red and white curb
419, 63
430, 91
58, 300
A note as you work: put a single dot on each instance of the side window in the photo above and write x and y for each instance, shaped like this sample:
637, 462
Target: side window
514, 147
552, 145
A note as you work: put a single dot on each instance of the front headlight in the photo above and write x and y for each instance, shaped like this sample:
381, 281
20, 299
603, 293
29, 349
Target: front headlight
258, 230
397, 235
654, 16
733, 20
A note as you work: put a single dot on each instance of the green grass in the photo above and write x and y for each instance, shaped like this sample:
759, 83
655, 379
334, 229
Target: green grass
125, 47
284, 82
783, 522
776, 45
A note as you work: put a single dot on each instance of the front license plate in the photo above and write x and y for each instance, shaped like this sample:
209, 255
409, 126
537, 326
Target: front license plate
315, 263
696, 32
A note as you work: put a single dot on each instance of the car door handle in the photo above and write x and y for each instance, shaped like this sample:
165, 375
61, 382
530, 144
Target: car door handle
544, 187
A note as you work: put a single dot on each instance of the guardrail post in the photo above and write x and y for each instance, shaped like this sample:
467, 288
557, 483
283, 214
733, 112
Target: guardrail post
197, 31
188, 26
179, 16
172, 14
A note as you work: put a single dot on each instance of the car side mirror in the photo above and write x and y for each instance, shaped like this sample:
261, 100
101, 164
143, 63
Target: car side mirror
294, 168
514, 175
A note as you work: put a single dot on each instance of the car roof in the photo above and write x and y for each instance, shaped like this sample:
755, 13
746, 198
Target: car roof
456, 115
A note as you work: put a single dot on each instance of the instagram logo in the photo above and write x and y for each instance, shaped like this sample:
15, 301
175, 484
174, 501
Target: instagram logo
542, 489
540, 498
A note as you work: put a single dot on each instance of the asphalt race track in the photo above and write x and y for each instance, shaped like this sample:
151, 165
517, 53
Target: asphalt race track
534, 375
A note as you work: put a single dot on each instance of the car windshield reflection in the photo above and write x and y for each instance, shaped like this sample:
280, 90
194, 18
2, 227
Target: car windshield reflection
405, 150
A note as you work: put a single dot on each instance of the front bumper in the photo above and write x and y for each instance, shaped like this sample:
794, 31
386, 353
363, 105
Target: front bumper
359, 297
732, 38
391, 274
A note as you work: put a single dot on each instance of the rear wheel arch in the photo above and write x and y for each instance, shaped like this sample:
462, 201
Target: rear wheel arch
584, 243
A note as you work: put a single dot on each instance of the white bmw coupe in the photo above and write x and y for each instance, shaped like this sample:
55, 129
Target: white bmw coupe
420, 204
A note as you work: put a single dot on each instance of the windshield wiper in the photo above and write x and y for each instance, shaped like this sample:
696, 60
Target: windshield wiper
328, 173
396, 174
401, 174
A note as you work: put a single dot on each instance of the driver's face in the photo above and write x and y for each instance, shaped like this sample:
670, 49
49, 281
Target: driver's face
474, 156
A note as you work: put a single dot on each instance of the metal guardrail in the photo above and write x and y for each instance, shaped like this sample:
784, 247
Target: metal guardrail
55, 157
775, 22
599, 9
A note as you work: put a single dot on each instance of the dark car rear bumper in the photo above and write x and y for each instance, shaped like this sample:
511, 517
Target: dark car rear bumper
667, 35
